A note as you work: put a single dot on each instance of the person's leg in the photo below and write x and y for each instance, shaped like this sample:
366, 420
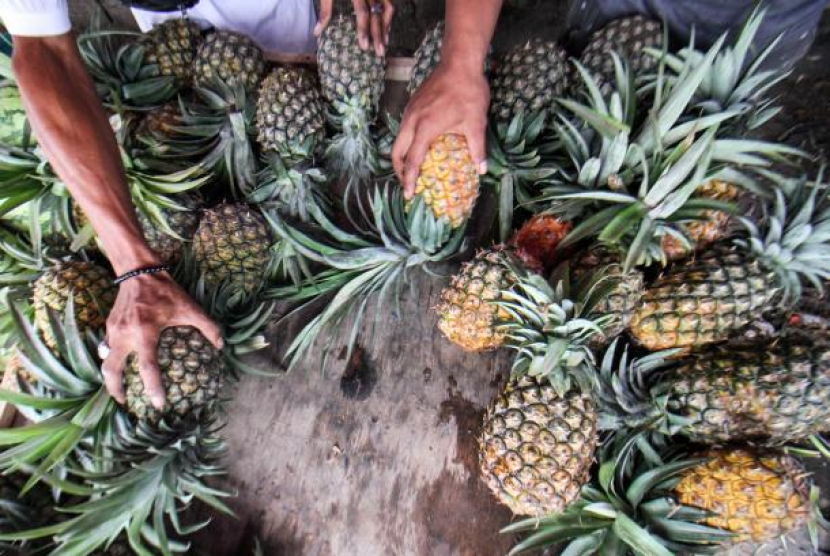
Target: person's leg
795, 20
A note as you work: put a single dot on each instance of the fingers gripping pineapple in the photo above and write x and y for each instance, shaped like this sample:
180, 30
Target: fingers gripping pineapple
724, 288
448, 180
468, 311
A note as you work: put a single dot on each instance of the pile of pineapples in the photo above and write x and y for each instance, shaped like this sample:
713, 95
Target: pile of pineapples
664, 374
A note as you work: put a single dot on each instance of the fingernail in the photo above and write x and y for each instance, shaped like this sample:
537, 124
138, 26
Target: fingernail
317, 29
482, 167
364, 44
158, 401
379, 50
221, 343
386, 38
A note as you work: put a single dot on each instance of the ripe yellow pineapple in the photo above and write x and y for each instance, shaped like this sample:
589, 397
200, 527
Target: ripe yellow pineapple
712, 227
756, 495
448, 179
467, 310
537, 446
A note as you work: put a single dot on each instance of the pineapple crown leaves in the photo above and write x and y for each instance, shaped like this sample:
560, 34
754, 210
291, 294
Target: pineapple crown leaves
631, 396
72, 407
219, 132
290, 188
390, 242
548, 331
794, 240
517, 161
158, 472
353, 151
628, 508
122, 75
736, 80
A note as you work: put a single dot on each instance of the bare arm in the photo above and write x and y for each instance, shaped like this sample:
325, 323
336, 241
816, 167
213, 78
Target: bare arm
72, 128
456, 96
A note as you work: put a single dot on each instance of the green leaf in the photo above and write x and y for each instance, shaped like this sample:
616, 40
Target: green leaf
640, 540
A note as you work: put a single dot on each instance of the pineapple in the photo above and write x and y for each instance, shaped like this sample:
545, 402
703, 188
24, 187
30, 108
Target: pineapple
713, 226
529, 79
232, 245
87, 284
625, 289
289, 111
664, 505
448, 180
427, 57
468, 312
628, 37
769, 394
173, 46
160, 123
191, 374
537, 446
352, 81
729, 285
467, 309
230, 58
756, 495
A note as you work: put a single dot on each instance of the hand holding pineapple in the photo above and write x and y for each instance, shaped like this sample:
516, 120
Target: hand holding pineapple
455, 98
370, 20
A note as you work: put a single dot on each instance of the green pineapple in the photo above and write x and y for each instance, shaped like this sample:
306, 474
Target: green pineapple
769, 394
427, 57
726, 287
230, 58
528, 79
232, 246
173, 46
352, 81
629, 37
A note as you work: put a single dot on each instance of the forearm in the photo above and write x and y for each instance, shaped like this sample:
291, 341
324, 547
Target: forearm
72, 129
469, 28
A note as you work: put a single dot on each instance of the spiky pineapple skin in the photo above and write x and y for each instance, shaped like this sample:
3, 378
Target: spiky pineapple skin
623, 298
528, 79
713, 226
758, 496
537, 447
192, 375
182, 222
628, 37
232, 246
771, 393
467, 312
427, 57
346, 71
91, 288
448, 179
289, 109
231, 58
161, 122
173, 46
703, 300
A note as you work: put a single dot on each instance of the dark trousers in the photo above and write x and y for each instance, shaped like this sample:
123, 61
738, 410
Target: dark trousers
795, 20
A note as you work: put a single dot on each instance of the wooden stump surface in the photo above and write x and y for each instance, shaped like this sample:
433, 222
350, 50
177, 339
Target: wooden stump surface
376, 456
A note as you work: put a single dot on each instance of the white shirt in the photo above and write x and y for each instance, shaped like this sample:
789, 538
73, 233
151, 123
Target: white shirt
284, 26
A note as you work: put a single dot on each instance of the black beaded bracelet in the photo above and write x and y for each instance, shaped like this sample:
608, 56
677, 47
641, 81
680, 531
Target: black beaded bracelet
140, 272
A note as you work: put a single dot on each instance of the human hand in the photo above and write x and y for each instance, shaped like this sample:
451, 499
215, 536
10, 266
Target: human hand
451, 100
373, 17
145, 306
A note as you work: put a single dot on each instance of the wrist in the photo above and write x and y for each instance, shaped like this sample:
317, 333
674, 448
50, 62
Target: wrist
133, 258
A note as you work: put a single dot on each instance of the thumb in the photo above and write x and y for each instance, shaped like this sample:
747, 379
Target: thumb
476, 143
